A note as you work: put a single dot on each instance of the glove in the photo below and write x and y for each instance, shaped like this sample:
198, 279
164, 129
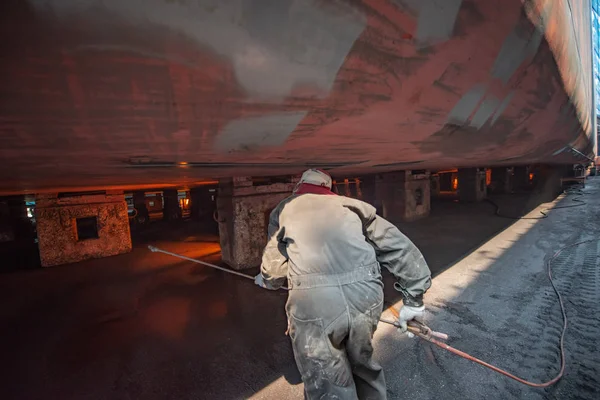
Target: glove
408, 313
260, 281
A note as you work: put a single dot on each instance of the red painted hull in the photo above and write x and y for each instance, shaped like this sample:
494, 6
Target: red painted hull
116, 94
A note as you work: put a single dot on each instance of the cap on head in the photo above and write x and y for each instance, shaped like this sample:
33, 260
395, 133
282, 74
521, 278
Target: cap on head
316, 177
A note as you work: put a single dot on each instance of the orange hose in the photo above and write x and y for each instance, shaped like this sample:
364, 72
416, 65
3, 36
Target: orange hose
490, 366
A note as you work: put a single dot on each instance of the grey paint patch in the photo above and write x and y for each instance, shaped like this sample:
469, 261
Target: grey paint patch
485, 111
514, 51
503, 106
471, 101
273, 45
466, 105
436, 18
254, 132
520, 44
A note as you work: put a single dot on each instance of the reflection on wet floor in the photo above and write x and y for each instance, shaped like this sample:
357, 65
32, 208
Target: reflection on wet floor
148, 325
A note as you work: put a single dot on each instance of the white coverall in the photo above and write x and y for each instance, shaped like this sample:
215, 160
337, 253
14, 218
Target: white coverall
330, 249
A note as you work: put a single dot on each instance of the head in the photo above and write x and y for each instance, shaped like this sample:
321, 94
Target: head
315, 177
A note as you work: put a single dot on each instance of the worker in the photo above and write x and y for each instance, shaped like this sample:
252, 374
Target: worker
330, 248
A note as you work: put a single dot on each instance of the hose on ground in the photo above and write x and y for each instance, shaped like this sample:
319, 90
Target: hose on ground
562, 334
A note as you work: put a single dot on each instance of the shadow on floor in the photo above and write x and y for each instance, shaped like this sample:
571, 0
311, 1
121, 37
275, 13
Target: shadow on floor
498, 305
453, 230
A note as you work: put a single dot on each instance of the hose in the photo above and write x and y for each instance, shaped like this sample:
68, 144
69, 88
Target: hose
558, 295
499, 370
229, 271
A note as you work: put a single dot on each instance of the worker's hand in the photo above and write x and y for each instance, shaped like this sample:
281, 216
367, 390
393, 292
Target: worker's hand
259, 281
408, 313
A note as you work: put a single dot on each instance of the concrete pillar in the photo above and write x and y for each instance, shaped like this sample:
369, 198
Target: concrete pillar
243, 211
203, 204
204, 207
366, 189
24, 229
18, 247
171, 209
16, 205
445, 180
471, 185
77, 228
403, 195
501, 180
352, 188
548, 180
521, 178
435, 185
345, 189
139, 202
7, 231
14, 224
578, 171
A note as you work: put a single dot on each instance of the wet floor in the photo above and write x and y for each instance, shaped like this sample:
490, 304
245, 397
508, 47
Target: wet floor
149, 326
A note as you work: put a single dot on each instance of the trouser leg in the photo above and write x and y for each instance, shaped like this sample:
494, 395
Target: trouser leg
368, 374
317, 343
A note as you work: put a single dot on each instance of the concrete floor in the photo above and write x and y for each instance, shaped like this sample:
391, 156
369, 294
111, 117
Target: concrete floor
148, 326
